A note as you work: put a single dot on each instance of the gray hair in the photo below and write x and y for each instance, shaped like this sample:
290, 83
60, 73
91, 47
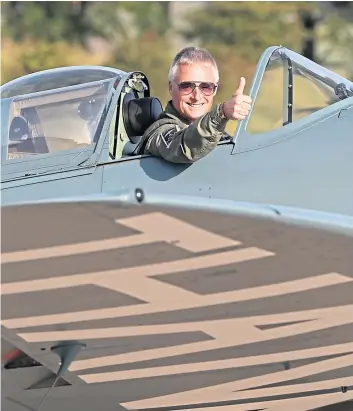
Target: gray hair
190, 55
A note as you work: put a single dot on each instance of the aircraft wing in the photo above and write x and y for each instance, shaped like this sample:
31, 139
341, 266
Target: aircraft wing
177, 302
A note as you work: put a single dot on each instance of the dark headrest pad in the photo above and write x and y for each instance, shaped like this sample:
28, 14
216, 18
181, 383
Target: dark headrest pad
139, 114
19, 129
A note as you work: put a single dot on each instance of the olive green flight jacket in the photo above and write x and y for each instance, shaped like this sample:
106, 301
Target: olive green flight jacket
178, 140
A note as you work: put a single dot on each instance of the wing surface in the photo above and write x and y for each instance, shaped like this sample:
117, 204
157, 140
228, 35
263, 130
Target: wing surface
180, 304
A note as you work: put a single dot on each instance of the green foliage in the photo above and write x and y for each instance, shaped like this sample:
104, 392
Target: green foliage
40, 35
48, 20
119, 21
149, 15
247, 27
336, 36
152, 55
30, 56
73, 21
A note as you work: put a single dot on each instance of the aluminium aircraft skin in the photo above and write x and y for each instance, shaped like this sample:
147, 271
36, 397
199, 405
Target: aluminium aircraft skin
226, 284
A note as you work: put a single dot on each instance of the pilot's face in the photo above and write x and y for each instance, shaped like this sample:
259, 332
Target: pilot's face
192, 105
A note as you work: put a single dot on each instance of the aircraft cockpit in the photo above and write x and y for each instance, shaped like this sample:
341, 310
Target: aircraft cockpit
66, 117
286, 88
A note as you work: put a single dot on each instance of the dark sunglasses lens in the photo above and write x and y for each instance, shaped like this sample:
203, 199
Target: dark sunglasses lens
207, 88
187, 87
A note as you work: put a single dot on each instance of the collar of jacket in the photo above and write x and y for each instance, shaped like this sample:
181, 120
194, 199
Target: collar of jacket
171, 112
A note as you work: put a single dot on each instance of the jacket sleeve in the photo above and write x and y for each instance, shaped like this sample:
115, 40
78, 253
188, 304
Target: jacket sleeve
189, 144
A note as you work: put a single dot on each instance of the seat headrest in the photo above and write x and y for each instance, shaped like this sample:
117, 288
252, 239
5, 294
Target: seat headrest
139, 114
19, 129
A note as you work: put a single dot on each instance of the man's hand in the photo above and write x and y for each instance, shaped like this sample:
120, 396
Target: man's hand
238, 107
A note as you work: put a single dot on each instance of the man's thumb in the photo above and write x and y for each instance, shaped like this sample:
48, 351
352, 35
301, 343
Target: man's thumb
240, 89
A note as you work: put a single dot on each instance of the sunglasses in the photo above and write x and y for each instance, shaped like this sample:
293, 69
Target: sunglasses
187, 87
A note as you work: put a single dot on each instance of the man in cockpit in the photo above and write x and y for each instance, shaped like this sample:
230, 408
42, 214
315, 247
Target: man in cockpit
190, 128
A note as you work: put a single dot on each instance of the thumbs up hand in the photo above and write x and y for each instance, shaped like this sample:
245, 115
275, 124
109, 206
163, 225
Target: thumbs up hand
237, 107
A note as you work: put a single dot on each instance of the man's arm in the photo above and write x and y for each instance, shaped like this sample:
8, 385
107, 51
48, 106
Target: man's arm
189, 144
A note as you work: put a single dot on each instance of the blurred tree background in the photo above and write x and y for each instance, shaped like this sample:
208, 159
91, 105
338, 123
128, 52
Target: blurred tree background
146, 35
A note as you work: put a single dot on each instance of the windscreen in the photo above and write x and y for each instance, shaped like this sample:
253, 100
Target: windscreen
57, 120
293, 87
